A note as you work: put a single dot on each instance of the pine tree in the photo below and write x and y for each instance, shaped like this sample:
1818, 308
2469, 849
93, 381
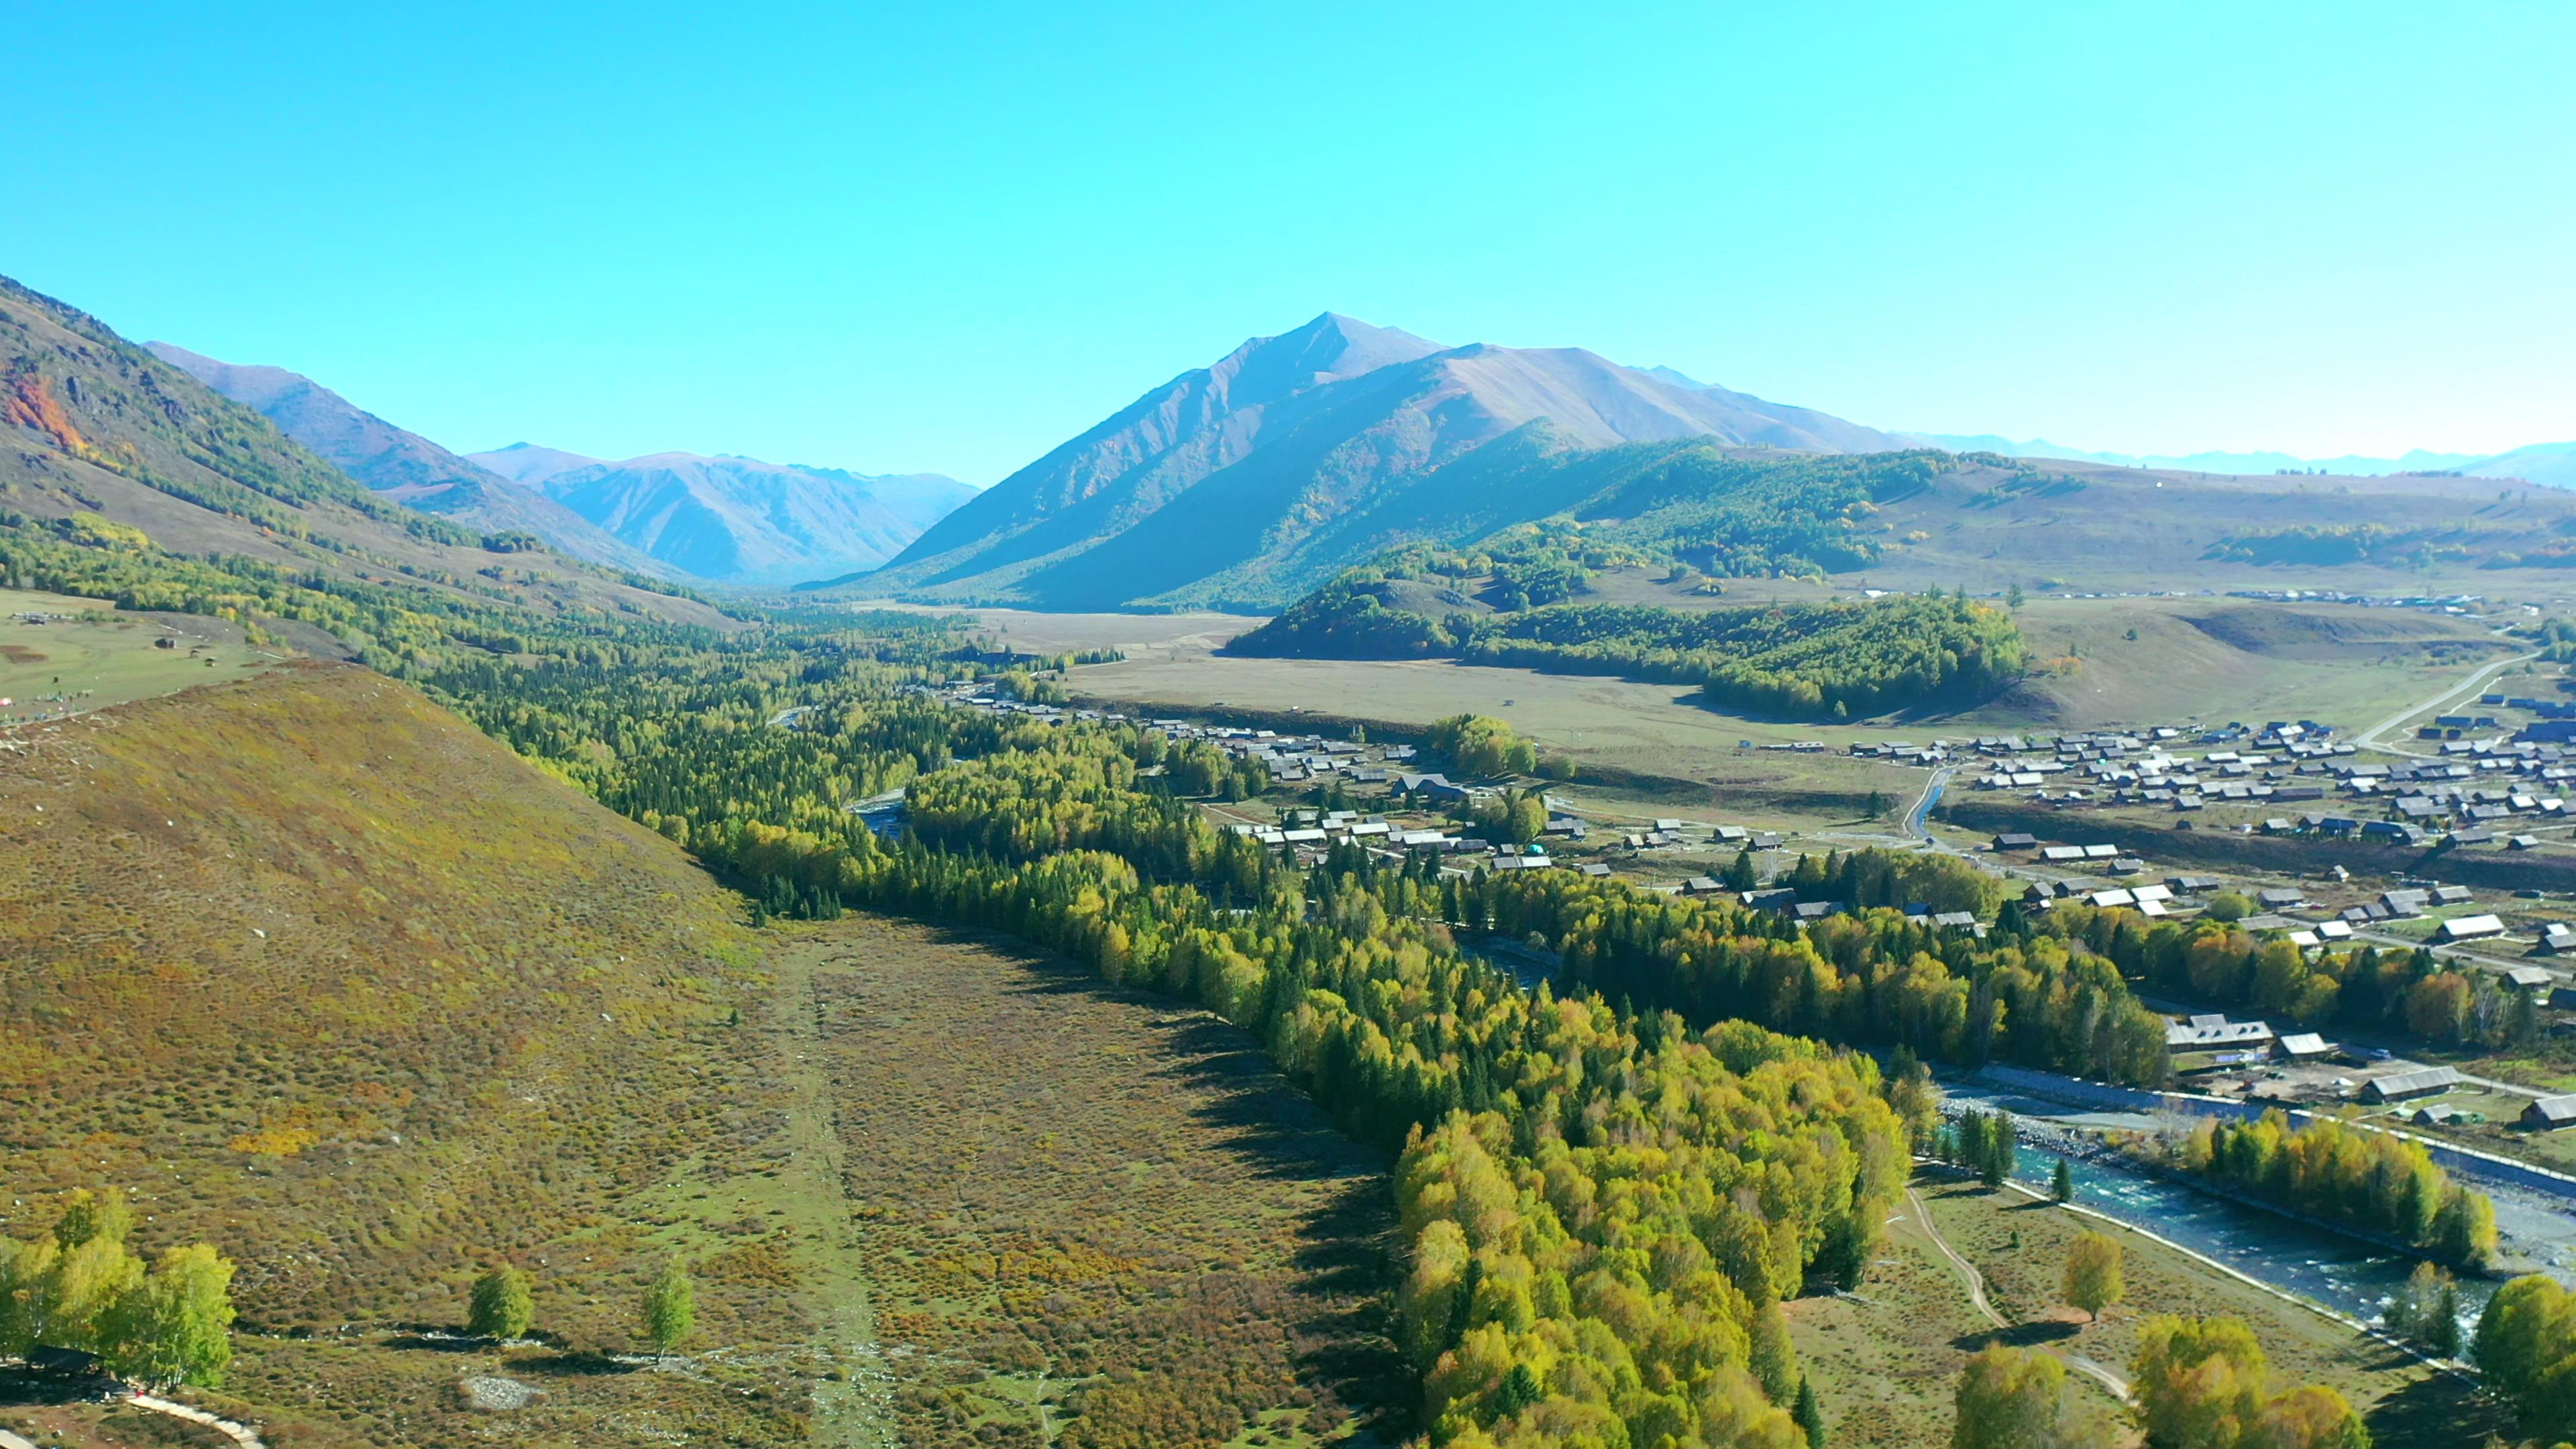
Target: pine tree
1810, 1415
2061, 1184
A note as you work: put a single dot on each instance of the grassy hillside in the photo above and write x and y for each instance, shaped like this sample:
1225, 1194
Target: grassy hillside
326, 977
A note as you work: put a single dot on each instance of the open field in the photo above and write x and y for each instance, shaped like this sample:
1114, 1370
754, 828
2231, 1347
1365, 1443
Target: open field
2215, 660
1886, 1359
1091, 1218
1654, 748
100, 656
1142, 636
2020, 1246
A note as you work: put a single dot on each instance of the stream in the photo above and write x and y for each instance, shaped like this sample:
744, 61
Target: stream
2353, 1277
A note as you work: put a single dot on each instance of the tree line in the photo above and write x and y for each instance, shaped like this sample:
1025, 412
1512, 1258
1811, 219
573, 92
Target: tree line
2375, 1181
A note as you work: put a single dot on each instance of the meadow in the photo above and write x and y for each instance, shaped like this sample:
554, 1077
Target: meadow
89, 656
1092, 1218
1886, 1357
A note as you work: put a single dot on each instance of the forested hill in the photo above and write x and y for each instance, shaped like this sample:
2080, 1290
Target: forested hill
126, 477
1532, 597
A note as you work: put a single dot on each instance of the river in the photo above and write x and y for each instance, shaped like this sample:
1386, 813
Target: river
2350, 1276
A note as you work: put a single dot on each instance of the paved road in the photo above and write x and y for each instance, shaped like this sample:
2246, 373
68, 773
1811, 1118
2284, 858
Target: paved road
2369, 739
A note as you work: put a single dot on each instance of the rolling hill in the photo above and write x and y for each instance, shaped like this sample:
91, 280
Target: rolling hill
737, 520
403, 465
1293, 456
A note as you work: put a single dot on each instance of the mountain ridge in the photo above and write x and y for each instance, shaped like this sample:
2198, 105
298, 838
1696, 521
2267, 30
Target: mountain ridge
738, 520
1202, 486
401, 464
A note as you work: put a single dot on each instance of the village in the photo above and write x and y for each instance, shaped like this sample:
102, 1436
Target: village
2102, 807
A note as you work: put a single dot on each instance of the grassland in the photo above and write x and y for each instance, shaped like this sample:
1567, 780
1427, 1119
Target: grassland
1653, 748
2020, 1248
89, 656
1886, 1359
1091, 1219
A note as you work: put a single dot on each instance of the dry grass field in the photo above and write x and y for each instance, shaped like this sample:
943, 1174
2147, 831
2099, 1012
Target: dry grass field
1090, 1218
1654, 748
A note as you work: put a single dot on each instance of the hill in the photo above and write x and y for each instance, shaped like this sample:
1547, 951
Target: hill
1254, 478
739, 520
323, 975
129, 479
402, 465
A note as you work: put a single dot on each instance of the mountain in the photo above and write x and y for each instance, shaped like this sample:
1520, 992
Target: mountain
116, 453
2551, 465
1254, 478
737, 520
403, 465
530, 464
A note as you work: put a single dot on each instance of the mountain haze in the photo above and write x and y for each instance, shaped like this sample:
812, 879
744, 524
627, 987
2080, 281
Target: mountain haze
2547, 464
403, 465
737, 520
1250, 479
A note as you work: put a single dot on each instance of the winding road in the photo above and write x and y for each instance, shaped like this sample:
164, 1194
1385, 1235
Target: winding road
1976, 1281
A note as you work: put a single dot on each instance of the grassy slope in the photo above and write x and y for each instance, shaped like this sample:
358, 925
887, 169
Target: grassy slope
326, 977
108, 656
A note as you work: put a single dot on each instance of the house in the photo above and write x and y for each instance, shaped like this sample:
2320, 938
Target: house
2451, 895
2301, 1046
1816, 910
2549, 1114
2528, 978
2556, 937
1956, 921
2211, 1031
2111, 898
2281, 898
2468, 928
2400, 1086
1596, 870
2016, 840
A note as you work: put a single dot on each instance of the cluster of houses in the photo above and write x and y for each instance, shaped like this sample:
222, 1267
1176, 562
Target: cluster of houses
2429, 603
2240, 1042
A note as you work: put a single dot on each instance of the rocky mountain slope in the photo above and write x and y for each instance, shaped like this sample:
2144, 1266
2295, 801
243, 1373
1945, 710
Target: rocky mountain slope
115, 453
1251, 479
738, 520
400, 464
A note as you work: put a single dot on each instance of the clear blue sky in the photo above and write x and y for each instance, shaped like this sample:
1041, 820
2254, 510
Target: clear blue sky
946, 237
